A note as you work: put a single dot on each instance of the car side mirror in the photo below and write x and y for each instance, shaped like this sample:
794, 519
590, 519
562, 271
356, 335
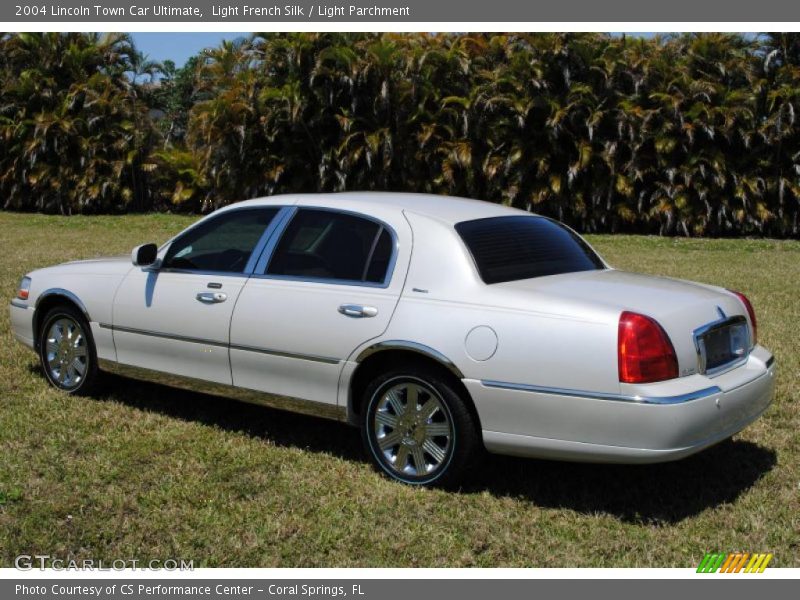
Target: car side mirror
144, 255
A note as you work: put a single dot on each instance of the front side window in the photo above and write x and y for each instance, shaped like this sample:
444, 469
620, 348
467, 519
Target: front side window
323, 244
512, 248
222, 244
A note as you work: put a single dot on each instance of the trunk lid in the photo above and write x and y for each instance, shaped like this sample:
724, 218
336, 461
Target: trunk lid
680, 307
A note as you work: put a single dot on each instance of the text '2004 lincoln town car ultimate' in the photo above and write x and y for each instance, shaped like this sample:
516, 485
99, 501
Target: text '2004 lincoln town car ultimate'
437, 325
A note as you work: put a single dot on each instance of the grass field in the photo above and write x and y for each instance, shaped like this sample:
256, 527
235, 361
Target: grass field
147, 472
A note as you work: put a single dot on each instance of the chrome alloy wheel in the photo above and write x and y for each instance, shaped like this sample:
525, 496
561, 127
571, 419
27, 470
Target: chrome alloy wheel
66, 353
413, 429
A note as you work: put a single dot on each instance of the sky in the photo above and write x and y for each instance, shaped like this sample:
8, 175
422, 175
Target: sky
178, 47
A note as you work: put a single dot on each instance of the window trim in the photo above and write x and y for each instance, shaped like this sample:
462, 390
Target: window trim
371, 254
249, 267
260, 271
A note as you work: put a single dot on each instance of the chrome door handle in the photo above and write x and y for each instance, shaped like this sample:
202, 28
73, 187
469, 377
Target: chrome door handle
212, 297
357, 311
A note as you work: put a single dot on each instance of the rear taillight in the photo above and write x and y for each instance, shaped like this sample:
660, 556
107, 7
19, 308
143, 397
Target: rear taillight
24, 288
644, 350
750, 312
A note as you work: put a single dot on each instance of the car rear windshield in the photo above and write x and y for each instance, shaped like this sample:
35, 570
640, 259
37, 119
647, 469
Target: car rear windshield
512, 248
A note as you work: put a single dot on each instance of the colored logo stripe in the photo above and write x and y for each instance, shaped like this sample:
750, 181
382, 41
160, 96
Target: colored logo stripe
734, 563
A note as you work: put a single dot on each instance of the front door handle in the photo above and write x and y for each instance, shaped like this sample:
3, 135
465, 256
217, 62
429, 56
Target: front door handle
357, 311
212, 297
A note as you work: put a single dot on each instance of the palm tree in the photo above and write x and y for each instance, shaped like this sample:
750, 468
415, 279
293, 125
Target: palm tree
685, 134
67, 122
779, 102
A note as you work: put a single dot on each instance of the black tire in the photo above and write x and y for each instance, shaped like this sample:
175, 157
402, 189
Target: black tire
84, 383
455, 454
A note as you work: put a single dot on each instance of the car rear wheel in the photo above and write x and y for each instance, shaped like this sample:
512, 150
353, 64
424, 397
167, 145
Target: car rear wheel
417, 428
67, 352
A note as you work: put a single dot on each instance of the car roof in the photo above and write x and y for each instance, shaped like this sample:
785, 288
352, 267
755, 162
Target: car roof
449, 209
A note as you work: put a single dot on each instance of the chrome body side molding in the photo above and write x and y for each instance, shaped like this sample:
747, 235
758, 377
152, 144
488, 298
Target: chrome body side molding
206, 342
538, 389
297, 405
158, 334
413, 347
311, 357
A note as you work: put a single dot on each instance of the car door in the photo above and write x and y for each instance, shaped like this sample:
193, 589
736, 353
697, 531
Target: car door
176, 318
330, 282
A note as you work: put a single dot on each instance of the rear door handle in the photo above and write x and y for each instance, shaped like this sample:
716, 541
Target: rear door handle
212, 297
357, 311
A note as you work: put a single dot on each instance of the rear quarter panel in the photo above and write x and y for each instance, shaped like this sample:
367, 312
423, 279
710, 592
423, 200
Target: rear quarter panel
443, 301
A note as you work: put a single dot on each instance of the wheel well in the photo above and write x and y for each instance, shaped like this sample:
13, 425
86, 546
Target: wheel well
381, 361
44, 306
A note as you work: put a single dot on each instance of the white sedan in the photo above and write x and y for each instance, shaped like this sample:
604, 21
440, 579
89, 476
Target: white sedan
437, 325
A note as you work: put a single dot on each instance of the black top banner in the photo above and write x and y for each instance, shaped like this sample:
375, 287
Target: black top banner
472, 11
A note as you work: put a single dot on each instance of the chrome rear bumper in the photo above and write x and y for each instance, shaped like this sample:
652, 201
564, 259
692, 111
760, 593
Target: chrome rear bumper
625, 428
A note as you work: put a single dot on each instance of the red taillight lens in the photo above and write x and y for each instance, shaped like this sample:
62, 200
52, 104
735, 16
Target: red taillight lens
750, 312
644, 350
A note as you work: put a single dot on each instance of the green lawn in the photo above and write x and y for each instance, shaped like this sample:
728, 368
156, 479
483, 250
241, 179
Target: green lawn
151, 473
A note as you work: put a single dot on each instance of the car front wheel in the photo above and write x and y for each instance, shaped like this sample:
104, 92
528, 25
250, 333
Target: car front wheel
417, 428
66, 351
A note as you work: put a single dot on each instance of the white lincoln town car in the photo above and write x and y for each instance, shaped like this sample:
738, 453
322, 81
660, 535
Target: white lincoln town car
437, 325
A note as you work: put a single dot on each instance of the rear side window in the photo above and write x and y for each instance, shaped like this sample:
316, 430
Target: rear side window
323, 244
512, 248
